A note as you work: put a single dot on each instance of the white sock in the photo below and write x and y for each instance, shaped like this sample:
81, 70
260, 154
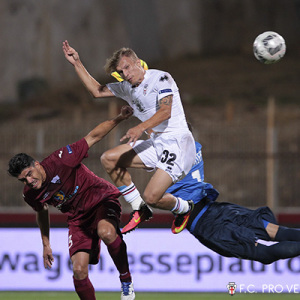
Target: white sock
131, 195
181, 206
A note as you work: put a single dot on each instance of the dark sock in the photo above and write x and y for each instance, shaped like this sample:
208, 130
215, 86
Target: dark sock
287, 234
118, 253
84, 289
268, 254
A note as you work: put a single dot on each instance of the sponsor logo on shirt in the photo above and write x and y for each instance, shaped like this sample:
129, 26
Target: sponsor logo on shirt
60, 196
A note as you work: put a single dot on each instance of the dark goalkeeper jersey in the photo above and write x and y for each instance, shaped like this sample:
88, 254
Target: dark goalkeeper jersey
70, 186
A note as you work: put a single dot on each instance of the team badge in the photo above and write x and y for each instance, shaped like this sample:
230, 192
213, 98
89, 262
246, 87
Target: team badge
145, 89
231, 287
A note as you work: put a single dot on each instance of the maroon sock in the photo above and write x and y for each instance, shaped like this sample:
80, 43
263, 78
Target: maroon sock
84, 289
118, 253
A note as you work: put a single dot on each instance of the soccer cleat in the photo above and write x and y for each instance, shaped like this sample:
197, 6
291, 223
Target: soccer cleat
136, 217
181, 220
127, 291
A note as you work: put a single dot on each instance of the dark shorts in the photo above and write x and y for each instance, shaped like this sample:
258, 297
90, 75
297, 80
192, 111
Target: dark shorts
85, 238
231, 230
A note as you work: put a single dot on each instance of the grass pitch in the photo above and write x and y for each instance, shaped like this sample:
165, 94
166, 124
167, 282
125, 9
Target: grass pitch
142, 296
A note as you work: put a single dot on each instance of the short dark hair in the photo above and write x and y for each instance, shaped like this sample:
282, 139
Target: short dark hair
18, 163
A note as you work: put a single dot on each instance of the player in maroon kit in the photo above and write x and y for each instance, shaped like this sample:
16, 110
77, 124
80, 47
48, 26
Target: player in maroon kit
90, 203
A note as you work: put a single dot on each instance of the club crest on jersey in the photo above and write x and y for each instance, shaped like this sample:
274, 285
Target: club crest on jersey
56, 179
145, 89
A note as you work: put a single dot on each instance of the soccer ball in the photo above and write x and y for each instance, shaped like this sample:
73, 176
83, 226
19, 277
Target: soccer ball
269, 47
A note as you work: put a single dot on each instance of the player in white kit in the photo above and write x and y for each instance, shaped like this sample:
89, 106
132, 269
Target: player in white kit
170, 149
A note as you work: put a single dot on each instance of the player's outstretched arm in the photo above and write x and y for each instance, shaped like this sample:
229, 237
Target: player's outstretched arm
99, 132
92, 85
42, 218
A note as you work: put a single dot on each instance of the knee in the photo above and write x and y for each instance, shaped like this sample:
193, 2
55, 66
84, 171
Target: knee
150, 198
80, 271
107, 234
109, 160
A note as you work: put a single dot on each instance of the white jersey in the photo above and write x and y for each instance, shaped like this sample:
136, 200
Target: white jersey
144, 99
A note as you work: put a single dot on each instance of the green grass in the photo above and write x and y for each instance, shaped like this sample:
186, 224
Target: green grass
142, 296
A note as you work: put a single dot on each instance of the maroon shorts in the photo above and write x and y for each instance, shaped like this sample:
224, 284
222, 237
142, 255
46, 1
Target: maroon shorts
84, 237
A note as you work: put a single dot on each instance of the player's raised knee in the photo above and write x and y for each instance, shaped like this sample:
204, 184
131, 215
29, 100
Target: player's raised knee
109, 160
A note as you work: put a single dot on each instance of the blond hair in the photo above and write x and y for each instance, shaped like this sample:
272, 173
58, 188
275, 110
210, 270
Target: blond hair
113, 61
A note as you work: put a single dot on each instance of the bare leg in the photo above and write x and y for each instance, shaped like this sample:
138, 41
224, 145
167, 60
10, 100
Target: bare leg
80, 261
107, 231
82, 283
154, 194
117, 160
272, 230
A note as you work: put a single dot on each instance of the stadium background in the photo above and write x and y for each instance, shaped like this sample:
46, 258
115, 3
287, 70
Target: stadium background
245, 114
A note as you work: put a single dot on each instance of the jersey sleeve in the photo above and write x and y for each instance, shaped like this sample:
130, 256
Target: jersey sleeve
72, 154
165, 86
119, 89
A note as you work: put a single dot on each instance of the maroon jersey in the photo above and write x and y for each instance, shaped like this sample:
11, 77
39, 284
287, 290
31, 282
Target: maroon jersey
70, 186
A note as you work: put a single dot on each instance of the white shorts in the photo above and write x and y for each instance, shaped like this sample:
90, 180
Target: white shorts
172, 153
